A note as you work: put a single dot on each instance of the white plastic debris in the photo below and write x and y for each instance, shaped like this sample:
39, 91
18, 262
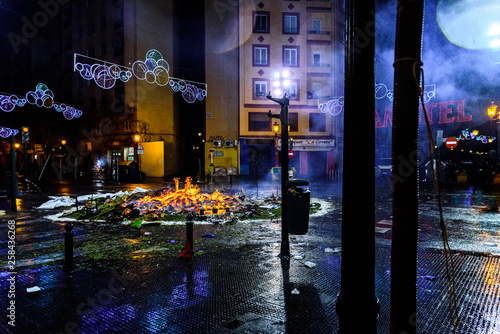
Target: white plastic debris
310, 264
147, 233
33, 289
298, 257
295, 291
490, 244
329, 250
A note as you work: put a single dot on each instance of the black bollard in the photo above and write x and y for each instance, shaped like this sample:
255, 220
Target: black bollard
189, 234
188, 248
68, 247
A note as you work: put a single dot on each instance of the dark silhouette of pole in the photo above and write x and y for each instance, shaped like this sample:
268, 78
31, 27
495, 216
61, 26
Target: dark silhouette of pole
68, 247
25, 166
405, 166
13, 195
357, 305
283, 116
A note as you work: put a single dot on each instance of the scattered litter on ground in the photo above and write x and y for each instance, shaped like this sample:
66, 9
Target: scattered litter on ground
298, 257
208, 236
147, 233
429, 277
310, 264
295, 291
490, 244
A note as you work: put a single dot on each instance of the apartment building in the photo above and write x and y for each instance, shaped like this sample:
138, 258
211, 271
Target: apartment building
122, 110
278, 47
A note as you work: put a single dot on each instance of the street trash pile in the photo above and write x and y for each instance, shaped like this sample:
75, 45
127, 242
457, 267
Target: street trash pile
167, 205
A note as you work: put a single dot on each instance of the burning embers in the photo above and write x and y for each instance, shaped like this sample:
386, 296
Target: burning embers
188, 199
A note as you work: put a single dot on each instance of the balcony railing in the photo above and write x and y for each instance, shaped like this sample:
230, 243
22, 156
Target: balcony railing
319, 32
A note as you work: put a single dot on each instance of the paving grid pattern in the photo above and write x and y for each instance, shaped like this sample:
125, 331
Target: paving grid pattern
232, 292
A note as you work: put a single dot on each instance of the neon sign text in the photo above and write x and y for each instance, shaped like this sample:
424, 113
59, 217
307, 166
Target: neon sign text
444, 112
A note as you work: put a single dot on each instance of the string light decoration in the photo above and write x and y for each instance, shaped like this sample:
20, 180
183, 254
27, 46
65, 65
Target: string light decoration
42, 96
471, 135
7, 132
154, 70
333, 107
382, 91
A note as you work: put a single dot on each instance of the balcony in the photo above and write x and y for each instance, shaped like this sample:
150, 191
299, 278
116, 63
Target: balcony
320, 68
319, 35
319, 3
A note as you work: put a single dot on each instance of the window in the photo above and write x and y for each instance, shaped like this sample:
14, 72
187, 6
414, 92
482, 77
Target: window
291, 56
316, 59
317, 122
290, 23
261, 22
316, 27
341, 33
293, 121
259, 121
317, 91
127, 125
260, 55
292, 90
102, 49
259, 88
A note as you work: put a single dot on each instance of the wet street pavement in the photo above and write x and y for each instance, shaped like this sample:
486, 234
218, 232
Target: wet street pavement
130, 280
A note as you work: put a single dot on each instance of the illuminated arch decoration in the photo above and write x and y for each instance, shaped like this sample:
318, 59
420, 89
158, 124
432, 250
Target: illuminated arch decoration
42, 96
7, 132
382, 91
9, 102
333, 107
154, 70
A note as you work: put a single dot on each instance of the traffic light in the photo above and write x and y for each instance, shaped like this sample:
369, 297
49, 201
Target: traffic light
26, 134
290, 143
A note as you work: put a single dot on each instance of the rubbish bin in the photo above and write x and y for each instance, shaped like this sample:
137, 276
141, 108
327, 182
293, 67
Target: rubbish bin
298, 206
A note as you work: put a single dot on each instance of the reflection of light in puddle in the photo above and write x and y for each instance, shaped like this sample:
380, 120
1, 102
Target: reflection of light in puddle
194, 286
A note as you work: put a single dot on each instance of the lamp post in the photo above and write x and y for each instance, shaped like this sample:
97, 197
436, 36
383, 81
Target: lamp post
276, 129
137, 139
495, 115
283, 116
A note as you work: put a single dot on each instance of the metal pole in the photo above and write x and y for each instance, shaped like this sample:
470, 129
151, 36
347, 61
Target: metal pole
13, 195
285, 245
357, 304
284, 102
25, 166
68, 247
405, 165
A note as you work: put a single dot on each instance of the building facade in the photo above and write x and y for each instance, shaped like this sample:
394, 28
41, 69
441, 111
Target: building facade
278, 47
121, 114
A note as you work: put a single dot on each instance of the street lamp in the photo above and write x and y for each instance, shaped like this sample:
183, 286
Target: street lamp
137, 139
494, 115
492, 110
276, 129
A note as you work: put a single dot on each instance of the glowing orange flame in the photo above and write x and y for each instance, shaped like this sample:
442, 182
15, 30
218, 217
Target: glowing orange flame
188, 198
